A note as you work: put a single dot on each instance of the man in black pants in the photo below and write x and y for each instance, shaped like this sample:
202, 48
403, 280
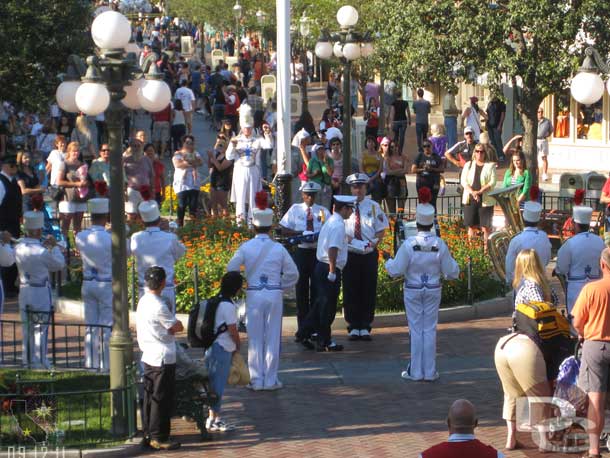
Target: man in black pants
10, 216
305, 218
332, 256
365, 229
156, 326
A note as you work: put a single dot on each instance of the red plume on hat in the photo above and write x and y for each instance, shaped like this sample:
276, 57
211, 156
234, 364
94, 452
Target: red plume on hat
424, 195
534, 193
101, 188
261, 200
37, 202
579, 196
145, 192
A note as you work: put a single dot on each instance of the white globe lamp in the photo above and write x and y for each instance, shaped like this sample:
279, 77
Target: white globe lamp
347, 16
131, 99
66, 95
92, 98
111, 30
351, 51
154, 95
587, 87
337, 50
324, 50
366, 50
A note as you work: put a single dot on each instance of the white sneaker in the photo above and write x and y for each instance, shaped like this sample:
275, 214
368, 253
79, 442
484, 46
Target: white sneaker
545, 177
434, 378
365, 334
208, 423
354, 334
407, 375
254, 387
277, 386
220, 426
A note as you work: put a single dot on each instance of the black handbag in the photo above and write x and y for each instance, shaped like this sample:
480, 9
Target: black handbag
57, 193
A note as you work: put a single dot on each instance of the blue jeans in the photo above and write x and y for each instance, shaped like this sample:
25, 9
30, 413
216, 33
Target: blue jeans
421, 132
451, 130
219, 367
495, 137
399, 128
188, 199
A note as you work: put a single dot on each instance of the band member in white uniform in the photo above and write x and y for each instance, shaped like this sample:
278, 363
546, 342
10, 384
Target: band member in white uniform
529, 237
332, 257
305, 218
35, 261
7, 258
367, 225
269, 270
155, 247
95, 246
578, 258
422, 259
244, 150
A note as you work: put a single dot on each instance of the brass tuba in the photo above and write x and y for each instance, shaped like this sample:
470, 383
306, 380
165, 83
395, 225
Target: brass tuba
497, 244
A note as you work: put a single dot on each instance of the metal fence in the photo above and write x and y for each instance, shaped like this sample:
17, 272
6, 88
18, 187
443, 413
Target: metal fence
36, 412
67, 346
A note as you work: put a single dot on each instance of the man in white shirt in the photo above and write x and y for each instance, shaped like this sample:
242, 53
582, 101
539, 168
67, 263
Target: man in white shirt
269, 270
187, 97
7, 258
156, 326
332, 257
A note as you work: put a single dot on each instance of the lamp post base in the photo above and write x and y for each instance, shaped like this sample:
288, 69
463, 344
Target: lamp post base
121, 356
283, 190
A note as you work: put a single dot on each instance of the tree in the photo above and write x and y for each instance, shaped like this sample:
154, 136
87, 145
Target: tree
36, 38
537, 45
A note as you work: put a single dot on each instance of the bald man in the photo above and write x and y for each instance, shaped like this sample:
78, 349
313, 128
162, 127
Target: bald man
462, 420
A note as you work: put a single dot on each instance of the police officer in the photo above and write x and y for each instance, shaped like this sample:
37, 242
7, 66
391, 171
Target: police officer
422, 259
35, 261
155, 247
365, 229
95, 246
578, 258
305, 218
7, 258
332, 257
269, 270
529, 237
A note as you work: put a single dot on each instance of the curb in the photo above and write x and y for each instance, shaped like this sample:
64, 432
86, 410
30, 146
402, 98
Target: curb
485, 309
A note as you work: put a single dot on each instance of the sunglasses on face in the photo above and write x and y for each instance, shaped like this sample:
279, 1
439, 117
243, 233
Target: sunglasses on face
105, 149
468, 133
426, 146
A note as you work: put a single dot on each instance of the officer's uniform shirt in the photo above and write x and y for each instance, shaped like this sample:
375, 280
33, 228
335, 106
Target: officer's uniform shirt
530, 237
95, 246
246, 151
372, 220
154, 247
153, 321
422, 259
332, 235
268, 265
295, 219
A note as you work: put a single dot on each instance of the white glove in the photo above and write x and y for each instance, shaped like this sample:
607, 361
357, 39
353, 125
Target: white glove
331, 277
308, 232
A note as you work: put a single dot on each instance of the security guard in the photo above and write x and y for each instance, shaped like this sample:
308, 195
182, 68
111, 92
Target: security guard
95, 246
35, 261
7, 258
530, 237
332, 257
269, 270
305, 218
422, 259
155, 247
365, 229
578, 258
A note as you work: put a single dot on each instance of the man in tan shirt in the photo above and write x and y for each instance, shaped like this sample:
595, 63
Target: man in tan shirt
591, 318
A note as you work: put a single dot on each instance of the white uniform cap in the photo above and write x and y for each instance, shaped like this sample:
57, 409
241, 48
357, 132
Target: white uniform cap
582, 214
246, 115
424, 214
98, 205
357, 178
351, 200
333, 132
468, 130
262, 218
310, 186
531, 211
149, 211
33, 220
299, 136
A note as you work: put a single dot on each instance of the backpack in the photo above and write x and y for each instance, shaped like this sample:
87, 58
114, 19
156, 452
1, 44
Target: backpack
200, 331
549, 329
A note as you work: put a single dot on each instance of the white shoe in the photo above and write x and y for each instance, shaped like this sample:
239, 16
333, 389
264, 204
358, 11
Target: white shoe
254, 387
365, 334
354, 333
407, 375
220, 426
434, 378
208, 423
277, 386
545, 177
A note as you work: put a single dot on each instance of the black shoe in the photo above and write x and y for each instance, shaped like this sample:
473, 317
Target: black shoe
308, 344
331, 347
145, 443
168, 445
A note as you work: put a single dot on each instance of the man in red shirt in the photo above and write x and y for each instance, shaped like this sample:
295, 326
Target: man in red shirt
160, 130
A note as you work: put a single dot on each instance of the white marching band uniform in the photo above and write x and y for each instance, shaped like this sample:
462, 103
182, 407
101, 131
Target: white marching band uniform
422, 259
7, 258
95, 247
578, 258
35, 263
269, 270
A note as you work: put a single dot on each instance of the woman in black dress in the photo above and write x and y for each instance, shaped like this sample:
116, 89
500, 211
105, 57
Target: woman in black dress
27, 179
221, 171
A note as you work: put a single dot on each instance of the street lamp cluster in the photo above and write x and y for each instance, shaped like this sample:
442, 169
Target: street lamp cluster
587, 86
347, 45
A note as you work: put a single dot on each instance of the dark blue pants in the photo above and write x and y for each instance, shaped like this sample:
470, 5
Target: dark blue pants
421, 132
322, 314
305, 259
360, 289
188, 199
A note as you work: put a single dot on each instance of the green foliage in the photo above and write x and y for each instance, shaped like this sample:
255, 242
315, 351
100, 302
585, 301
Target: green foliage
36, 38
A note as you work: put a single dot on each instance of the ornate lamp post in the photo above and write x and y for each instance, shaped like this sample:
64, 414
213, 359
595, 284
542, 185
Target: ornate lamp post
587, 86
237, 12
112, 83
347, 45
304, 31
261, 18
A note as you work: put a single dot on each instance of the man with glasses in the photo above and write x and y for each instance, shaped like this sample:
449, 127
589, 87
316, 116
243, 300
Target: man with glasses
10, 216
428, 166
545, 130
461, 152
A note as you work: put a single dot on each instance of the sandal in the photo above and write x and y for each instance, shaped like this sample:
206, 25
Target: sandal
518, 446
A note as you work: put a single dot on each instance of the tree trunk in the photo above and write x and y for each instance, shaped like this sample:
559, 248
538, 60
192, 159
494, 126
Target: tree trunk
528, 107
